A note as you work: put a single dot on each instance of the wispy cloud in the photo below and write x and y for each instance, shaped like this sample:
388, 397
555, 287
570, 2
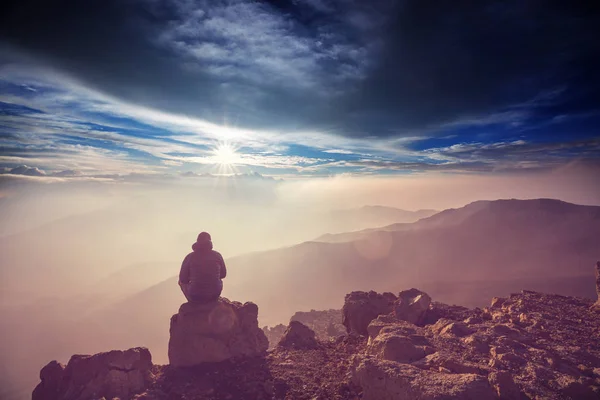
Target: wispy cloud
55, 124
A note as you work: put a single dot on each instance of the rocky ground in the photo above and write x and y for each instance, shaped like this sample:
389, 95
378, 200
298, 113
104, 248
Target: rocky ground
527, 346
326, 324
320, 373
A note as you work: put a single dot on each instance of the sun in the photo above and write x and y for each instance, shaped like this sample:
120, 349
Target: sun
224, 154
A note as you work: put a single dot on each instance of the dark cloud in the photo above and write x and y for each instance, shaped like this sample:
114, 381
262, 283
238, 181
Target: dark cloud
379, 68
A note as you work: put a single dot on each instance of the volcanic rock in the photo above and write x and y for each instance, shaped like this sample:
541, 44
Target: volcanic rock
327, 324
115, 374
527, 346
214, 332
393, 347
51, 378
504, 386
387, 380
274, 334
360, 308
298, 336
412, 305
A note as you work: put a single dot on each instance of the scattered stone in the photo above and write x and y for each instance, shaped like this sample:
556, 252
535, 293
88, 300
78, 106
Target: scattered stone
497, 302
327, 324
474, 320
392, 347
215, 332
446, 327
360, 308
532, 346
383, 321
298, 336
115, 374
412, 305
439, 310
387, 380
274, 334
507, 361
381, 325
504, 385
580, 389
505, 330
477, 344
447, 362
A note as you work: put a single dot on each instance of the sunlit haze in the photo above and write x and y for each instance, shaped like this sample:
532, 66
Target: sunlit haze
284, 129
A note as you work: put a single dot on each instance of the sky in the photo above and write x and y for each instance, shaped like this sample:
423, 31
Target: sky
115, 89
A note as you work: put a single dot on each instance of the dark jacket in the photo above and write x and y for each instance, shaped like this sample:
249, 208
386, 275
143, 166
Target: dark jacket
203, 270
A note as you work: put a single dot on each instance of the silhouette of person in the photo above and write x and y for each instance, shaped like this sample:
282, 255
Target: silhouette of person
202, 272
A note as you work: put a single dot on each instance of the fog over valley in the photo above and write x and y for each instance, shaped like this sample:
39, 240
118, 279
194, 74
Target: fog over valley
97, 266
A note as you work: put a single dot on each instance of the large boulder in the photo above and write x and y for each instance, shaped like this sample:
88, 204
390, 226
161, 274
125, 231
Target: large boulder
504, 386
274, 334
115, 374
327, 324
360, 308
412, 306
390, 323
298, 336
396, 340
51, 378
388, 380
214, 332
393, 347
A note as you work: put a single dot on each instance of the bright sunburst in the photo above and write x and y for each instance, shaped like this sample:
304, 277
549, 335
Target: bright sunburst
225, 158
224, 154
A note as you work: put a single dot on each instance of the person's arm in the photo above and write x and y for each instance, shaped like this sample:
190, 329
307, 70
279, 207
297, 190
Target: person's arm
223, 267
184, 273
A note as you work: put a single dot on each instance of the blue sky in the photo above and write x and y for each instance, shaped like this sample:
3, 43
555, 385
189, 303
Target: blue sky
288, 89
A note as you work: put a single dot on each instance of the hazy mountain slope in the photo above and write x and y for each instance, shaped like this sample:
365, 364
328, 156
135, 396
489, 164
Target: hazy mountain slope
485, 241
463, 256
549, 212
373, 216
67, 255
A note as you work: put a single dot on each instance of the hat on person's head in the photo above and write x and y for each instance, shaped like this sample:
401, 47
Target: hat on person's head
203, 237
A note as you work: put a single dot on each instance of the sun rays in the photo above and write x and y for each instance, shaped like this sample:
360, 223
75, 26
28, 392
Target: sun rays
225, 154
225, 158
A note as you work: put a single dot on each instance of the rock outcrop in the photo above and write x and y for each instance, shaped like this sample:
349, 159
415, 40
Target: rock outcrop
327, 325
115, 374
360, 308
274, 334
529, 345
298, 336
214, 332
385, 380
524, 346
412, 306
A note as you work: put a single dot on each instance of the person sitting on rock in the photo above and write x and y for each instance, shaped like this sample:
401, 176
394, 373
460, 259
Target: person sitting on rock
202, 272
